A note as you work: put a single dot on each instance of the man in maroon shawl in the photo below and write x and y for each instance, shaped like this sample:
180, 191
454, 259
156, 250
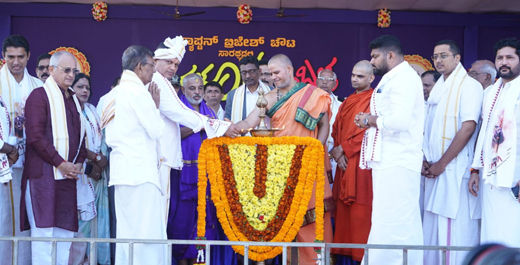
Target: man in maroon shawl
54, 157
352, 189
182, 219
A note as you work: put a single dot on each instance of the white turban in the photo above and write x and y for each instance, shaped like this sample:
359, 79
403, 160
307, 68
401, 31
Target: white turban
175, 49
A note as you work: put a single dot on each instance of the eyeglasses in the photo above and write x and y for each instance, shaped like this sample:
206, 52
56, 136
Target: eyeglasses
250, 72
330, 79
68, 70
442, 56
43, 67
152, 64
473, 73
266, 74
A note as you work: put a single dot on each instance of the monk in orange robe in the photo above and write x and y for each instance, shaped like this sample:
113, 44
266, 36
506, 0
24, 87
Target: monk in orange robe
304, 110
352, 187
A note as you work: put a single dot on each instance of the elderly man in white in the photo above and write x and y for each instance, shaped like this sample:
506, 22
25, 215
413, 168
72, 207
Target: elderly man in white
167, 57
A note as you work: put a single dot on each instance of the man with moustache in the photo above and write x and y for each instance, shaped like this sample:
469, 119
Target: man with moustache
183, 220
265, 74
497, 151
213, 96
392, 148
352, 189
450, 213
311, 120
428, 79
327, 80
42, 66
241, 101
15, 86
55, 155
168, 56
484, 72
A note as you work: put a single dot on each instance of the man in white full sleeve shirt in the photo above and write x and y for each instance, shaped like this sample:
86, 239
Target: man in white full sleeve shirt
497, 151
167, 57
451, 216
133, 128
392, 147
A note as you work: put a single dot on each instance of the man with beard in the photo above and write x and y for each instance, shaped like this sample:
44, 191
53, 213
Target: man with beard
451, 214
42, 66
500, 163
184, 218
15, 86
309, 120
242, 100
352, 189
393, 149
265, 74
327, 80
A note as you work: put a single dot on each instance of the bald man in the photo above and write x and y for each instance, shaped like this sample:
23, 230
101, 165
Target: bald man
484, 72
311, 121
352, 189
327, 80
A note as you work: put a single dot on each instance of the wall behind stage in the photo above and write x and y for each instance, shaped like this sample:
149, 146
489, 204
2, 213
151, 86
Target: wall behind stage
334, 39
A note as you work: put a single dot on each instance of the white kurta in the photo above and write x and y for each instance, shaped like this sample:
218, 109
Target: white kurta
133, 135
500, 212
393, 151
334, 107
452, 102
14, 95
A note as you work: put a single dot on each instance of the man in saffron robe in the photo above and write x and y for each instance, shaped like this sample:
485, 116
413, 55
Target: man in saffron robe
182, 220
352, 188
304, 110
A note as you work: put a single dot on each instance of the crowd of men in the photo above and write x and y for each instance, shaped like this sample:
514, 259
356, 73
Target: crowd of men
424, 159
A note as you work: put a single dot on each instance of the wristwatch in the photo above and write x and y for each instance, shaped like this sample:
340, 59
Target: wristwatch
98, 158
365, 122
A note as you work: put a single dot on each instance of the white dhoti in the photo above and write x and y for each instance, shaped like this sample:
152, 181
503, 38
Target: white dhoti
500, 215
164, 172
396, 217
42, 251
10, 205
443, 231
140, 216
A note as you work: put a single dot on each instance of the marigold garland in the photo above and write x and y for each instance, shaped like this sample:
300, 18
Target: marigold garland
383, 18
99, 11
244, 14
242, 224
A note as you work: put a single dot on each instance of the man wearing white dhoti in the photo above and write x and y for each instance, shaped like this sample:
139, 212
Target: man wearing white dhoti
133, 128
15, 86
167, 57
497, 151
451, 216
392, 148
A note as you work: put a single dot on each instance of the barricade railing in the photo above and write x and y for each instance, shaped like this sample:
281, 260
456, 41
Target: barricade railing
325, 247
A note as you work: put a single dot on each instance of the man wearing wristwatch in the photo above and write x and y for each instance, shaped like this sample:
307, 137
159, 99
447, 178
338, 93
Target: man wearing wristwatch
392, 148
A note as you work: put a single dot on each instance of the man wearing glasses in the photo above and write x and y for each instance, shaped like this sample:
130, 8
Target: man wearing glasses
242, 100
15, 86
55, 155
42, 70
450, 214
484, 72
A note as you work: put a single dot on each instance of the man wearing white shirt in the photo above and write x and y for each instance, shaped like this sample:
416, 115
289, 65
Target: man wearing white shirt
327, 80
15, 86
167, 57
392, 148
242, 100
451, 214
132, 131
213, 96
497, 153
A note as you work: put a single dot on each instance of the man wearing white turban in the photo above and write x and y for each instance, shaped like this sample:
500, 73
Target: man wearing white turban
167, 57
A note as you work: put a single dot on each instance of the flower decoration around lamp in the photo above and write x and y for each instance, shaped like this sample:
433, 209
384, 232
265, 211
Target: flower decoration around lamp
383, 18
244, 14
99, 11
